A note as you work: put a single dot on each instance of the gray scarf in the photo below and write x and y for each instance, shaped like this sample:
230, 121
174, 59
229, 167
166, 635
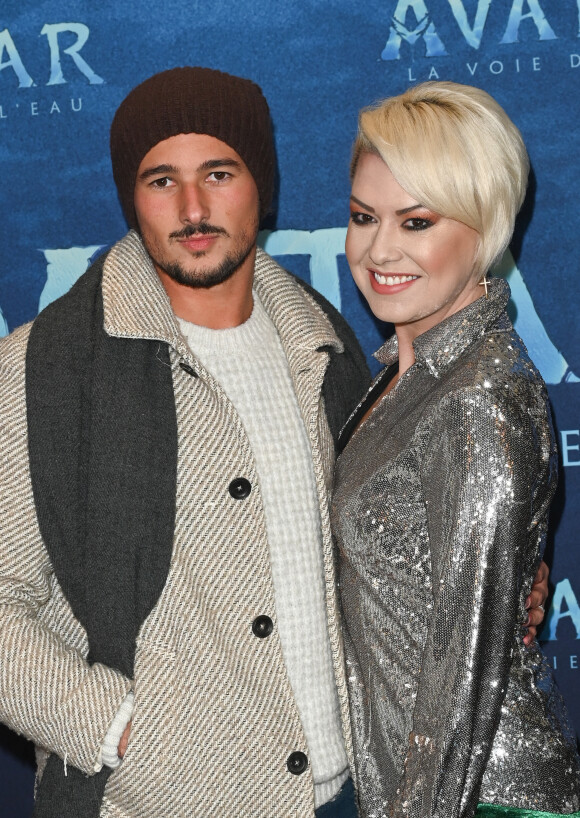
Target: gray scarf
103, 461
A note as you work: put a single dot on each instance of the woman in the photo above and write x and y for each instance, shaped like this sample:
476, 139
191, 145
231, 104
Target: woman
442, 493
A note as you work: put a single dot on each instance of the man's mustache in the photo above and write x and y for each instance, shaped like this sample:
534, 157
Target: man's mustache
201, 229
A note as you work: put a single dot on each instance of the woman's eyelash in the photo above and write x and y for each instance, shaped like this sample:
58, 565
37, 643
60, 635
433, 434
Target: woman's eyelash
418, 224
361, 218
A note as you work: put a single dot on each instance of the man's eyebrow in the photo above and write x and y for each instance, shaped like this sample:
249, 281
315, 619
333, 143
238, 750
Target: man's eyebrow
157, 171
209, 164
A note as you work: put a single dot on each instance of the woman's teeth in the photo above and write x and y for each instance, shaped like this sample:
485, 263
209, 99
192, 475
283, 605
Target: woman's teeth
390, 280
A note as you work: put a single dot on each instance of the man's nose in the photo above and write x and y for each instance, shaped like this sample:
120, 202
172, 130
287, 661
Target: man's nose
194, 204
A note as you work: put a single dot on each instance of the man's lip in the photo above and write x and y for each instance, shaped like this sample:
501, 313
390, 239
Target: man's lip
200, 241
390, 289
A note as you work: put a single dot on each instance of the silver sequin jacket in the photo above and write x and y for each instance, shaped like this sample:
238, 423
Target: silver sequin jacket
440, 515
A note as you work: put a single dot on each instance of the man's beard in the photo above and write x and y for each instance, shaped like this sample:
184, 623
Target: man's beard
204, 278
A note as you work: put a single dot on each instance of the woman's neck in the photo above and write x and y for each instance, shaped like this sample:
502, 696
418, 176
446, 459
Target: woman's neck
406, 351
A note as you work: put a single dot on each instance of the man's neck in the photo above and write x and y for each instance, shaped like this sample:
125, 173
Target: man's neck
224, 305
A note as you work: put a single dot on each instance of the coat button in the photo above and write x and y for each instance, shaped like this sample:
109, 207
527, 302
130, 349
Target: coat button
262, 626
188, 369
297, 762
240, 488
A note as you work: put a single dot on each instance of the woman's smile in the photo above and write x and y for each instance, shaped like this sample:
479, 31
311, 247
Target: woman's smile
392, 283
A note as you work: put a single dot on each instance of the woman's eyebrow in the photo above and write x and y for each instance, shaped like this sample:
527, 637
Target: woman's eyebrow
362, 204
402, 212
409, 209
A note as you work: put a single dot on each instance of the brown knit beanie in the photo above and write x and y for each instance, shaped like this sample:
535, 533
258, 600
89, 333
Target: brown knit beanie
192, 100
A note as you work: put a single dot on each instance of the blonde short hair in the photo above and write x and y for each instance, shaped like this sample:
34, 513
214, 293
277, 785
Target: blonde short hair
455, 150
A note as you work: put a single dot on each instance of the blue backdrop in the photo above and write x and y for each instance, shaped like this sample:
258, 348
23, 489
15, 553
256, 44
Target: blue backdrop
64, 68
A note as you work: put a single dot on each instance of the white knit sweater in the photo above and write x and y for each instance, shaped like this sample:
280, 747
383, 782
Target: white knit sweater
249, 363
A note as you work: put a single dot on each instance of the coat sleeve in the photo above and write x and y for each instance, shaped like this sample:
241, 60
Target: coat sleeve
488, 474
48, 692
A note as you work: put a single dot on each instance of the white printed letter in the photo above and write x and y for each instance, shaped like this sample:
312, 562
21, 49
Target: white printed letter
563, 595
423, 28
472, 35
82, 33
14, 61
516, 16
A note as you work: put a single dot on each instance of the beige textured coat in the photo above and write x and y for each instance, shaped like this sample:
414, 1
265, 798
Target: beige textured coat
215, 719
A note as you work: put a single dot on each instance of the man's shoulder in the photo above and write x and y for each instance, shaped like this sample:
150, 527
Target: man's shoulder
84, 287
339, 323
352, 348
312, 296
13, 347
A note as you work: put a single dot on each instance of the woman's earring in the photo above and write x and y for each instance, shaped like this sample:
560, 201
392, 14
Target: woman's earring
483, 283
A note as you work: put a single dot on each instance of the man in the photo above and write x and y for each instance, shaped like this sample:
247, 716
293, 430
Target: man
165, 525
168, 431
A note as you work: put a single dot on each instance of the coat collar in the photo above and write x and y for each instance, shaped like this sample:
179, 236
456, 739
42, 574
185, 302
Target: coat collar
440, 346
135, 303
137, 306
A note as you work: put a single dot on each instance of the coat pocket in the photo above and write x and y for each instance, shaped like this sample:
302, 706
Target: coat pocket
141, 787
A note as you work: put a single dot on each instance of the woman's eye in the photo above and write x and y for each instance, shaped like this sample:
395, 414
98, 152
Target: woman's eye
361, 218
417, 224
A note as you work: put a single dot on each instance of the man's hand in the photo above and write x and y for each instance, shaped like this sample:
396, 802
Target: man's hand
124, 742
535, 603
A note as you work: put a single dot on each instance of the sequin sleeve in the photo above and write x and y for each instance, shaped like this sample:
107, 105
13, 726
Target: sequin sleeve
487, 480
